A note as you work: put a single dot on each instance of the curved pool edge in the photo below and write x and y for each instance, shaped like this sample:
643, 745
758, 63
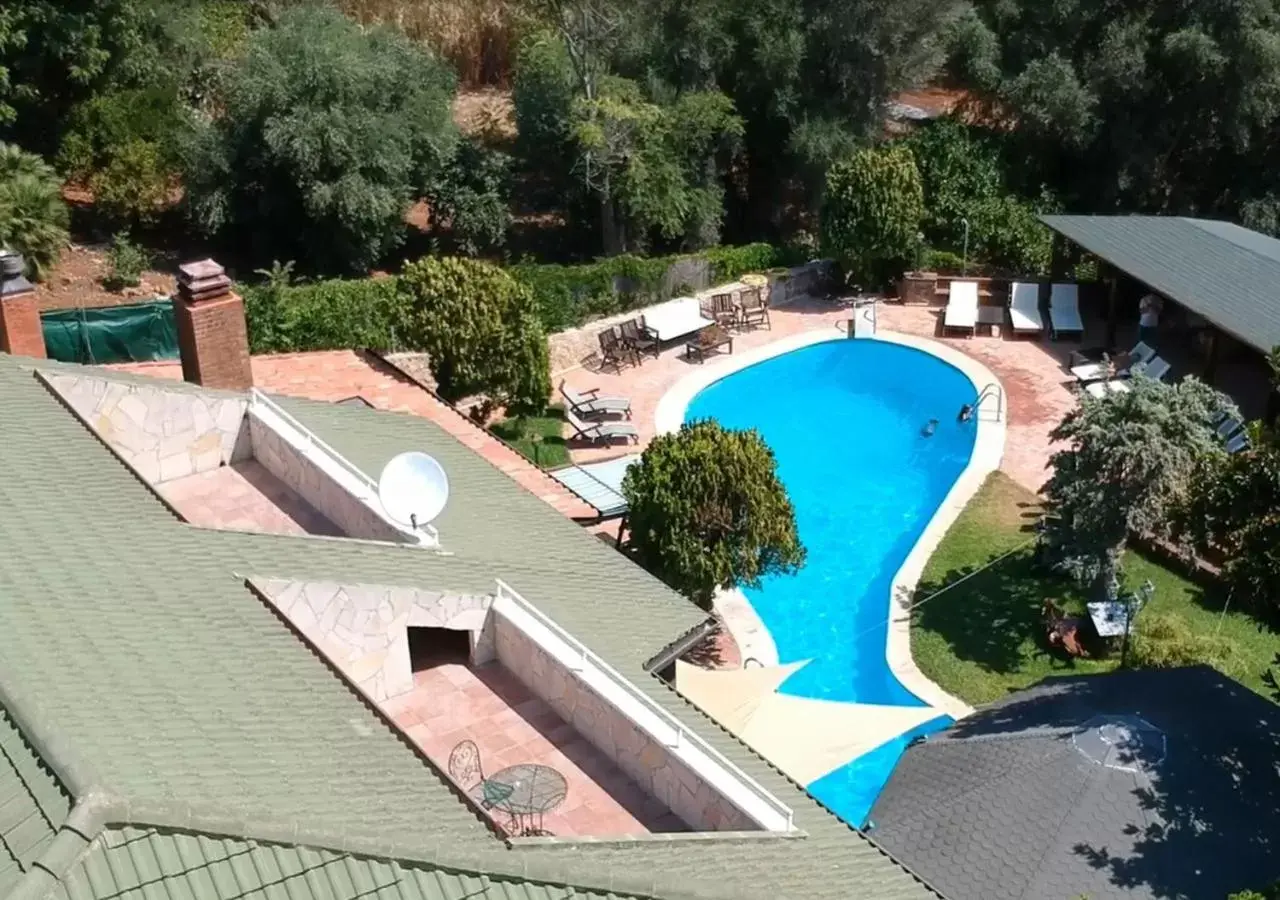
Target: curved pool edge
743, 622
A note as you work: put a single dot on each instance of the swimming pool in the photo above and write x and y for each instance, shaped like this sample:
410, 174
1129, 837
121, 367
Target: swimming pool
847, 420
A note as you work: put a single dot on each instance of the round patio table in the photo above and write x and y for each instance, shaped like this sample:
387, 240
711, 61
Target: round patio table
534, 791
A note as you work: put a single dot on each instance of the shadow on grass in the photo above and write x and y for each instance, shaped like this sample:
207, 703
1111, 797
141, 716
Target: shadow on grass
540, 439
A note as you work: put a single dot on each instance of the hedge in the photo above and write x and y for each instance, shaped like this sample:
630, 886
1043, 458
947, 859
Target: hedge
368, 312
568, 296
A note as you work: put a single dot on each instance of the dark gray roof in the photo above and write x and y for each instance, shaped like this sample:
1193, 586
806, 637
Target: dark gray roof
1227, 274
1042, 796
168, 699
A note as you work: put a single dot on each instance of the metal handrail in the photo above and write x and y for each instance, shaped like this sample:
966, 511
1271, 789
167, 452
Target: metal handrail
679, 731
258, 398
991, 389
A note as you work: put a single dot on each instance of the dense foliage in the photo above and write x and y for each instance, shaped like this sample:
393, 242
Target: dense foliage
707, 511
33, 217
1234, 509
479, 328
1126, 467
1167, 641
872, 213
333, 314
328, 132
472, 195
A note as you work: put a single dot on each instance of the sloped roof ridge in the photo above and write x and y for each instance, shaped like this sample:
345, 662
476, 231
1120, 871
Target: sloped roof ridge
1254, 242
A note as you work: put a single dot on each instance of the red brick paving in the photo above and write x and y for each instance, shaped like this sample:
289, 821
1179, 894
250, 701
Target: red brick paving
454, 702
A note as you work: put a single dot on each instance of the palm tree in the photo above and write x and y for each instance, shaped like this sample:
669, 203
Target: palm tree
33, 216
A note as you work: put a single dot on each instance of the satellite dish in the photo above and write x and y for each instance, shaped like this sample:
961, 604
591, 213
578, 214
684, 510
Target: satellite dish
413, 489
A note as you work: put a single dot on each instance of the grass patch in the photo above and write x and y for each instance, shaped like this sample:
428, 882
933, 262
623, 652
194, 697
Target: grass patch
984, 638
539, 438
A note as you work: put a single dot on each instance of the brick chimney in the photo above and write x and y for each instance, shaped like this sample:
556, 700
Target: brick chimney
212, 335
20, 331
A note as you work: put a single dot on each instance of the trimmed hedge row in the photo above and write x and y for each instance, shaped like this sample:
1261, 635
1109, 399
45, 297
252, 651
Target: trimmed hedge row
368, 312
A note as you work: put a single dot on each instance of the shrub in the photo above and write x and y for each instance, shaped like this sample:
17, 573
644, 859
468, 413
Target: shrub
872, 212
128, 261
480, 330
707, 511
1167, 641
328, 315
33, 216
472, 195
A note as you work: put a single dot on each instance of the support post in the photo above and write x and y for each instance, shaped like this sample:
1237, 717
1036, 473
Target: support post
1211, 359
1113, 311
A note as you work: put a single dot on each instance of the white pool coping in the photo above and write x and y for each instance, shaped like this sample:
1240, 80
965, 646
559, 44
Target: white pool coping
988, 448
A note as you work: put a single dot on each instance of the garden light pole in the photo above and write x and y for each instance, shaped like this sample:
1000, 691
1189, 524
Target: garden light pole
964, 258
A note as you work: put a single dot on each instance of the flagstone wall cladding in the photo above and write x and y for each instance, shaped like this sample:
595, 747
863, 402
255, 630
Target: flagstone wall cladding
312, 484
645, 760
570, 348
163, 434
363, 628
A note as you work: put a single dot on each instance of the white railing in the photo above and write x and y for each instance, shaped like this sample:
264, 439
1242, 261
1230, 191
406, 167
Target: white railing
662, 726
367, 491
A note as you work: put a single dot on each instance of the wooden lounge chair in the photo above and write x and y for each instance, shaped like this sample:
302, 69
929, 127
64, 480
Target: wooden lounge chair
598, 432
722, 310
613, 352
592, 402
640, 338
754, 310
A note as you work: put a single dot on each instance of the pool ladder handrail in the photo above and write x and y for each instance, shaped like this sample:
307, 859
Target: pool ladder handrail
991, 389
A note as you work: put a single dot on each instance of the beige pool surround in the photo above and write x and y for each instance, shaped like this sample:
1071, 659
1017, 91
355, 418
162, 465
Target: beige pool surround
808, 738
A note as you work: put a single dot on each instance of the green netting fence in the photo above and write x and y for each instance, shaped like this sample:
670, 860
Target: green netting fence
139, 332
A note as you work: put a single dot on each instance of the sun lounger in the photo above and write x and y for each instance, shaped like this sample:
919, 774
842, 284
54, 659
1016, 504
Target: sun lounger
1024, 308
962, 307
599, 484
596, 432
1229, 426
594, 403
1157, 368
1098, 371
1064, 310
1237, 443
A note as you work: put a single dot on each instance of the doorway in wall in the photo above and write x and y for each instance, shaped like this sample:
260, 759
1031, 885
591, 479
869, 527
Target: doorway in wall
431, 647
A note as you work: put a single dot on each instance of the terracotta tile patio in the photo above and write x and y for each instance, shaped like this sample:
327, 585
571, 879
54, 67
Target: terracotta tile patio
244, 497
453, 702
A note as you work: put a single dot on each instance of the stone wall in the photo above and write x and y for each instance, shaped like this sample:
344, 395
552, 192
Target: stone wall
163, 434
645, 760
363, 628
571, 349
306, 479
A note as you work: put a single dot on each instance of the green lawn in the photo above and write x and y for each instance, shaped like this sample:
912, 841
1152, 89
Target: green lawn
984, 638
540, 438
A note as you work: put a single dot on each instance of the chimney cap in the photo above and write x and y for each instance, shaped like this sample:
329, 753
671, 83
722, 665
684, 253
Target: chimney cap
200, 270
12, 280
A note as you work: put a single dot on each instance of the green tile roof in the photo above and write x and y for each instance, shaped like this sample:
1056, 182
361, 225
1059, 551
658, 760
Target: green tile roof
164, 694
33, 805
1225, 273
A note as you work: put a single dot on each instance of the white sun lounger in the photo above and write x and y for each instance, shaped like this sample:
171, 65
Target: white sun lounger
1237, 443
592, 402
1064, 310
1157, 368
1024, 308
962, 307
596, 432
1097, 371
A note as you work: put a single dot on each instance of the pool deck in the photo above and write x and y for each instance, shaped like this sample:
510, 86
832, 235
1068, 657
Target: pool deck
804, 737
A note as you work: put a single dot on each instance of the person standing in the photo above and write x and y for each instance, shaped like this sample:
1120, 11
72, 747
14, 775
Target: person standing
1148, 319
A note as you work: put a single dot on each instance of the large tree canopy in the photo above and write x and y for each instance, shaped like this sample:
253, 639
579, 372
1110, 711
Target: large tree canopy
1144, 106
707, 510
326, 135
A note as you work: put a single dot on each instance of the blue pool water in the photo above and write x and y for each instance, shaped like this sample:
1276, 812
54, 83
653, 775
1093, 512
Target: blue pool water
845, 420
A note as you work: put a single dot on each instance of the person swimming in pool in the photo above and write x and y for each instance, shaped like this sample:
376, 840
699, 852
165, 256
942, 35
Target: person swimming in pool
930, 428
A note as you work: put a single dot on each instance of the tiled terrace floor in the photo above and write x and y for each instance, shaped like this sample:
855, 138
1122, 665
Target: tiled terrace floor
453, 702
244, 497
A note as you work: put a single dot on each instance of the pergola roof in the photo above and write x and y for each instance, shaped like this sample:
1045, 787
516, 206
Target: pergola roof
1223, 272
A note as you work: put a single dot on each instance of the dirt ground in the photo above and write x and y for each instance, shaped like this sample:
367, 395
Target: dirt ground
76, 282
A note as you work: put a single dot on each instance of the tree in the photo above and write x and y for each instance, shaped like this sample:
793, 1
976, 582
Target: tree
1127, 467
327, 134
472, 196
872, 212
707, 511
1234, 509
480, 330
33, 216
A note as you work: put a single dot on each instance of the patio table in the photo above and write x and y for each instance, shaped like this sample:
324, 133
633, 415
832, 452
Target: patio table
709, 340
1108, 617
531, 791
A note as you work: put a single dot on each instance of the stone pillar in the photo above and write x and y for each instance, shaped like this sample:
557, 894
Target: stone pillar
918, 288
212, 336
20, 331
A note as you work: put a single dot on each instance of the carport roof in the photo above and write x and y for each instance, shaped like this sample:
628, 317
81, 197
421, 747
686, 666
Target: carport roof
1221, 271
